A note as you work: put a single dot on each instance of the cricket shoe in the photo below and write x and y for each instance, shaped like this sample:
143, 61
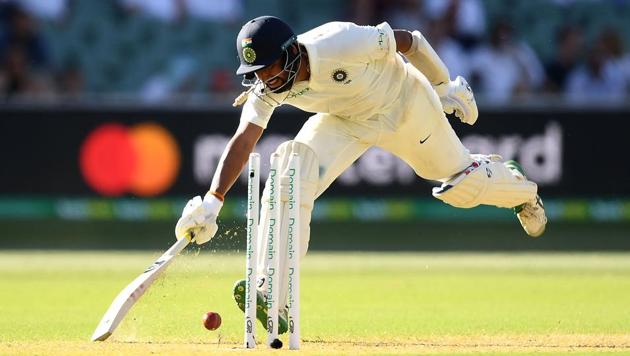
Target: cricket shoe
261, 307
531, 214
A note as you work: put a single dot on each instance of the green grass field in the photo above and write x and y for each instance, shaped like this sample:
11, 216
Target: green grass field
371, 303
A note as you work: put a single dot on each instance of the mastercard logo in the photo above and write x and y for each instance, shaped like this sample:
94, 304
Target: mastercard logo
142, 159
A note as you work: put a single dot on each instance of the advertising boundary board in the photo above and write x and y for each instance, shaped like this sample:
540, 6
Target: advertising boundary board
570, 154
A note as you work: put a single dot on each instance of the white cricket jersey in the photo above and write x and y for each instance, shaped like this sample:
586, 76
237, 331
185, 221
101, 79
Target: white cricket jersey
355, 73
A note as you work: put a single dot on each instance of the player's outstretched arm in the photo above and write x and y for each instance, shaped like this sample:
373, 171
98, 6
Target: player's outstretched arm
421, 55
235, 156
456, 96
200, 216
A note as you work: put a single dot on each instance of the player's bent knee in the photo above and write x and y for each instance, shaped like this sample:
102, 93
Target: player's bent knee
309, 170
486, 181
309, 183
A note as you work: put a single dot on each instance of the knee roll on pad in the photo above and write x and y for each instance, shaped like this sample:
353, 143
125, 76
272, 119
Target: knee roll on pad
309, 171
486, 181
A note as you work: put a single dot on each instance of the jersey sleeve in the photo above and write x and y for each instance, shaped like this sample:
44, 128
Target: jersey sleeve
358, 43
256, 111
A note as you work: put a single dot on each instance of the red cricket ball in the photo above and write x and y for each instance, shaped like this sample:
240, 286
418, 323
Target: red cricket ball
211, 320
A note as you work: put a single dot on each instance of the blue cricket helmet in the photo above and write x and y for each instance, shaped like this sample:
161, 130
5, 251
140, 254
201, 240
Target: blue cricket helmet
261, 42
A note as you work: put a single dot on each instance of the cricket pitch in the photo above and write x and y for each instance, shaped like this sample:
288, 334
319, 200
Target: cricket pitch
357, 303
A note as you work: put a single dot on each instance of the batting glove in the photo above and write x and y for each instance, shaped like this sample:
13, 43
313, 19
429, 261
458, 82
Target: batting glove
457, 97
199, 218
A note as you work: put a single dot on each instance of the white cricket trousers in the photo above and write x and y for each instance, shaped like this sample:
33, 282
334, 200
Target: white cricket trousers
415, 129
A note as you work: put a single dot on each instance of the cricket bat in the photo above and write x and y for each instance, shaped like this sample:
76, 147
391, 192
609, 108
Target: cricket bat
130, 295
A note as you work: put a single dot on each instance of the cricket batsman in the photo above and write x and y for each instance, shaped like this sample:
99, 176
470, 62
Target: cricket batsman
366, 86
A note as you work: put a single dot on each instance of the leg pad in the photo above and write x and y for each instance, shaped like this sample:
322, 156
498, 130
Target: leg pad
486, 181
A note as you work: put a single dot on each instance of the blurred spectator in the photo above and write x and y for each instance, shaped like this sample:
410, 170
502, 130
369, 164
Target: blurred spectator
449, 50
613, 45
221, 80
215, 10
177, 78
171, 11
466, 18
505, 67
45, 9
600, 78
70, 80
24, 60
569, 3
405, 14
21, 31
14, 75
364, 11
165, 10
569, 42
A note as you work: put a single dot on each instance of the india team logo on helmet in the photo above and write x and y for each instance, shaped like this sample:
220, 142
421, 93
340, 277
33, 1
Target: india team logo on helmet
249, 54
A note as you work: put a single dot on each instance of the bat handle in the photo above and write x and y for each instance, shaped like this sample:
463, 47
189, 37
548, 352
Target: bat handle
190, 236
180, 244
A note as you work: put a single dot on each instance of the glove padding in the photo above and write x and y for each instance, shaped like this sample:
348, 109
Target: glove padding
457, 97
200, 218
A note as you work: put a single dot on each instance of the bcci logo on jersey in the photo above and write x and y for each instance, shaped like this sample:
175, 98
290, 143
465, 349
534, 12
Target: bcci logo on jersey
340, 76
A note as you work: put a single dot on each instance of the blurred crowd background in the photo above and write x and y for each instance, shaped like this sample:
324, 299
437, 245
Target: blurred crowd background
113, 113
154, 50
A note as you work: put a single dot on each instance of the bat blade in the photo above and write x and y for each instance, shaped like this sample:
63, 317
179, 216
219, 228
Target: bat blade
130, 295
